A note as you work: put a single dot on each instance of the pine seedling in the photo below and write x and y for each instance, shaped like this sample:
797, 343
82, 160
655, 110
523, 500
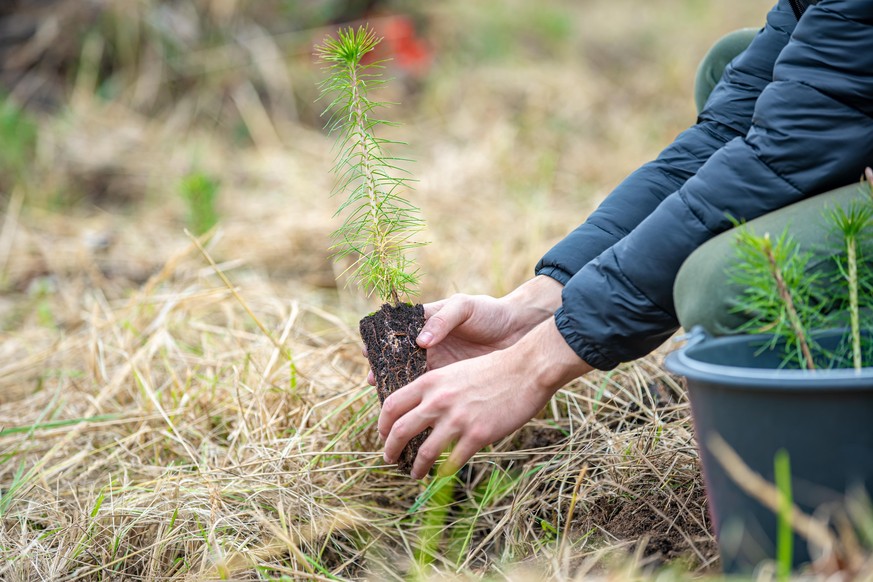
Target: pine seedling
379, 223
853, 229
200, 192
781, 295
778, 293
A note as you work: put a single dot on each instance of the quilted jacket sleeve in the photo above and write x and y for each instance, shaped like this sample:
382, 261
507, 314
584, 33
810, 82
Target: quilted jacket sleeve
727, 115
812, 131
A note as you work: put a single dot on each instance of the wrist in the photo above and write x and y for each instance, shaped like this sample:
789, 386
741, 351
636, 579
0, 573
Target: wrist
548, 358
533, 302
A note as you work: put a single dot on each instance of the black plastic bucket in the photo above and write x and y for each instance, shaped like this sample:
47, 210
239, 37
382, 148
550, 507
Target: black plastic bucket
822, 418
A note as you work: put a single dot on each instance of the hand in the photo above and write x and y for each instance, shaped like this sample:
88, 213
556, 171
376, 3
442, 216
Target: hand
476, 401
468, 326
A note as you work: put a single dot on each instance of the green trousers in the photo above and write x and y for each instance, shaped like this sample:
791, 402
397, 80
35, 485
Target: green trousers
703, 293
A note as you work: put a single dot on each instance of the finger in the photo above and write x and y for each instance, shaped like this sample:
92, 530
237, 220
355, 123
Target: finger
402, 432
455, 312
436, 444
463, 452
371, 378
869, 173
398, 404
431, 308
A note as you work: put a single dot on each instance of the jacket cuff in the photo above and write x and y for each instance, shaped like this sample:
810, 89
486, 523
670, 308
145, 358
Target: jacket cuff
556, 273
589, 353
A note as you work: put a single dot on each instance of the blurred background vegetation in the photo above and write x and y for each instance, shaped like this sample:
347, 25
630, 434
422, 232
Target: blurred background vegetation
520, 115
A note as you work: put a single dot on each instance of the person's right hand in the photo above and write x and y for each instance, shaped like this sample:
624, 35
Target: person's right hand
467, 326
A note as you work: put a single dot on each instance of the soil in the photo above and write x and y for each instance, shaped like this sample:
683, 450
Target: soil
665, 539
389, 336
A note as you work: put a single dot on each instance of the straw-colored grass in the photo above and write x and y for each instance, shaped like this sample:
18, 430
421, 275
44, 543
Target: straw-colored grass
158, 423
165, 435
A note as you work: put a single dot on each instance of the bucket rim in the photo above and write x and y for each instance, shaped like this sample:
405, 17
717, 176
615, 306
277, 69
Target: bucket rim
682, 362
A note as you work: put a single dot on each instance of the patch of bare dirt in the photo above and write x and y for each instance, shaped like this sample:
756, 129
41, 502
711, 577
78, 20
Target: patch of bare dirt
668, 530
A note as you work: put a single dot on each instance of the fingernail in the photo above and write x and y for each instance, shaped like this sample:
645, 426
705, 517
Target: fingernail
415, 475
387, 460
424, 338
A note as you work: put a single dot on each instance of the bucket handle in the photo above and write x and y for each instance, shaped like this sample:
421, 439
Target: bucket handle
693, 337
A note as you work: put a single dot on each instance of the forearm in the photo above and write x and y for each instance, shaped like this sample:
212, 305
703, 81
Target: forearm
533, 302
544, 354
542, 348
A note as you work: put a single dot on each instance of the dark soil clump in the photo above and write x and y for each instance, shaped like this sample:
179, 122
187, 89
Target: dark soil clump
389, 336
667, 539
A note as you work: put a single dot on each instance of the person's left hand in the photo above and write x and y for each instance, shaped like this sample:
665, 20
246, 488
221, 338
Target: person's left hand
477, 401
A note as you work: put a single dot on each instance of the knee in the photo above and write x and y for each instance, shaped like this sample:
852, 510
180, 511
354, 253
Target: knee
703, 293
711, 68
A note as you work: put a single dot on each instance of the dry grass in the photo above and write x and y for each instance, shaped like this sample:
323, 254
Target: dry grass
164, 435
152, 430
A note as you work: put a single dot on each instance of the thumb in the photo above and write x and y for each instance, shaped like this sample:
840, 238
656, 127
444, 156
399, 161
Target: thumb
442, 318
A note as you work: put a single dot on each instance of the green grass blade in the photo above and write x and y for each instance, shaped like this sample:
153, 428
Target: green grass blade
784, 532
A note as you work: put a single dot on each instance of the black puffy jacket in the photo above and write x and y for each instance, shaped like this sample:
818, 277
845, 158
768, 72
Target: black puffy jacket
792, 117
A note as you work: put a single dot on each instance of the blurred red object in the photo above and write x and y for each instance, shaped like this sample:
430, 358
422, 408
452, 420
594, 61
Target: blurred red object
401, 45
